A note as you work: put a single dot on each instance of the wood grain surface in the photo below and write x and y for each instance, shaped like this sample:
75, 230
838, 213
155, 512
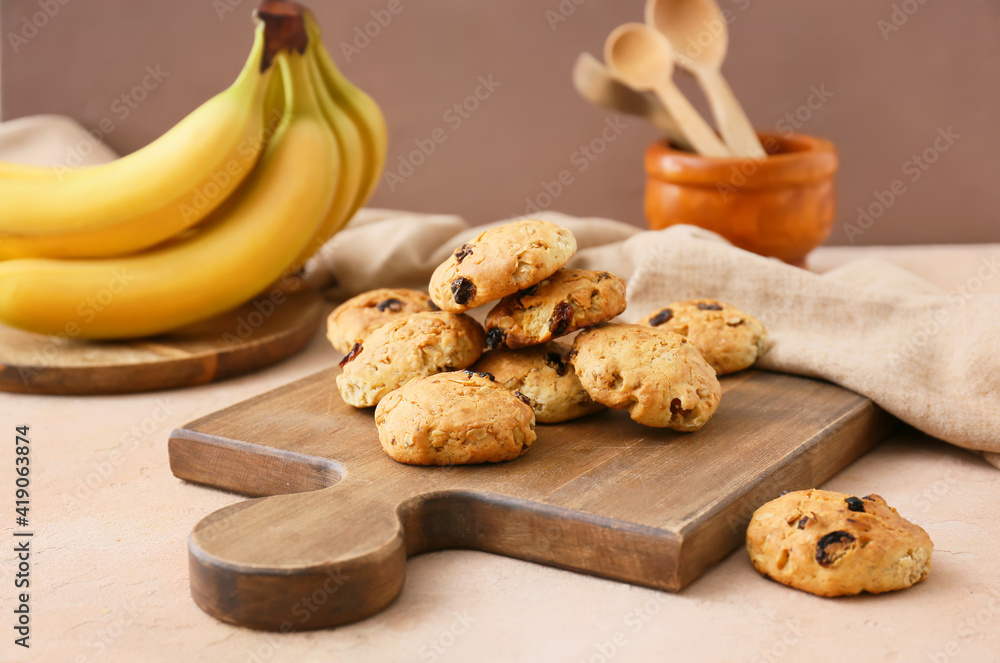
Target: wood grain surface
601, 495
245, 339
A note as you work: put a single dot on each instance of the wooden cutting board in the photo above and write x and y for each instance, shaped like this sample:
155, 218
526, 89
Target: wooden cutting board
255, 335
601, 495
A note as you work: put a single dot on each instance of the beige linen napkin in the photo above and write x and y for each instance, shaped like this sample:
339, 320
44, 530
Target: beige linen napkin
929, 357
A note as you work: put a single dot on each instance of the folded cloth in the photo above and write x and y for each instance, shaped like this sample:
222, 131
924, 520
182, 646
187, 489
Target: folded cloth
929, 357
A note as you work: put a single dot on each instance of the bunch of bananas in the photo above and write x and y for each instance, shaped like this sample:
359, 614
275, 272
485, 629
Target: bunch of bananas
237, 195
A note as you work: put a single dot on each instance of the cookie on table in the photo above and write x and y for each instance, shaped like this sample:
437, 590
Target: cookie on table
359, 316
410, 347
729, 339
832, 544
544, 375
568, 300
657, 375
455, 418
499, 262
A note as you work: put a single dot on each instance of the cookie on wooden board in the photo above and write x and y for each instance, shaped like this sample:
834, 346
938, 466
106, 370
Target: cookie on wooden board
454, 418
833, 544
359, 316
729, 339
657, 375
544, 375
413, 346
499, 262
569, 300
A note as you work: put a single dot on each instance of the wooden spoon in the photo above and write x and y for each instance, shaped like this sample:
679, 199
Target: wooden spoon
697, 32
642, 58
599, 86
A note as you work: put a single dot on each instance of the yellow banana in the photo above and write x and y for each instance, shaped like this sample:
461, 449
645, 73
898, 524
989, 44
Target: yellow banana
241, 249
148, 196
360, 107
354, 158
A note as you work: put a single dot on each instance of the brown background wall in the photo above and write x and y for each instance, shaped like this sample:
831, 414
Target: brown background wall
892, 91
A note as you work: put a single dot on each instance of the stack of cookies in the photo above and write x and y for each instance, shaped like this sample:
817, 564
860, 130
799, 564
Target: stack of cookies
440, 401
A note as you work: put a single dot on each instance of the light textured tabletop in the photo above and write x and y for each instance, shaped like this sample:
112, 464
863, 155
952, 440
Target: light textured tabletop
110, 582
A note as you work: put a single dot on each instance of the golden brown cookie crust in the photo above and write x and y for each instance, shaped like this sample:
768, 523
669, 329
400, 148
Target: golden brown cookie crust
499, 262
544, 375
569, 300
657, 375
729, 339
359, 316
833, 544
414, 346
454, 418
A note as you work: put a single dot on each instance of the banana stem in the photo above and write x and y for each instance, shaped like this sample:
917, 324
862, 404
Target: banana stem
284, 29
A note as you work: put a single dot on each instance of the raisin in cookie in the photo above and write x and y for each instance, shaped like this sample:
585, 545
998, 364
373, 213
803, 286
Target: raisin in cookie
454, 418
499, 262
544, 375
406, 348
729, 339
568, 300
659, 376
359, 316
832, 544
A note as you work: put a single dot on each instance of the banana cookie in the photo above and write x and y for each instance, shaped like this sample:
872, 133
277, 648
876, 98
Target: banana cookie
729, 339
544, 375
400, 350
454, 418
568, 300
832, 544
657, 375
499, 262
355, 319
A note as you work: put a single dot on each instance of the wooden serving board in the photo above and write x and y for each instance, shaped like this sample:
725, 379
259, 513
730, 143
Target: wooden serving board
255, 335
601, 495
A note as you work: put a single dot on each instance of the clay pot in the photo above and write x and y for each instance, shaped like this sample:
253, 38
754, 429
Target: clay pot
781, 206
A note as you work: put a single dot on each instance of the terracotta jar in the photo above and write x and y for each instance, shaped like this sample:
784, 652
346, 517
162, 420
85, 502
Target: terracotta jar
781, 206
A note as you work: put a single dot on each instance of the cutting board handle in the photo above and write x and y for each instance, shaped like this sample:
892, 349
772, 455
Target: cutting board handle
301, 561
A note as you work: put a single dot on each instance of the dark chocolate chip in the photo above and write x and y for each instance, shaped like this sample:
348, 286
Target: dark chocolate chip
463, 252
524, 399
854, 504
355, 351
675, 408
562, 316
556, 361
869, 498
602, 276
661, 317
832, 546
392, 304
495, 338
802, 523
463, 290
711, 306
